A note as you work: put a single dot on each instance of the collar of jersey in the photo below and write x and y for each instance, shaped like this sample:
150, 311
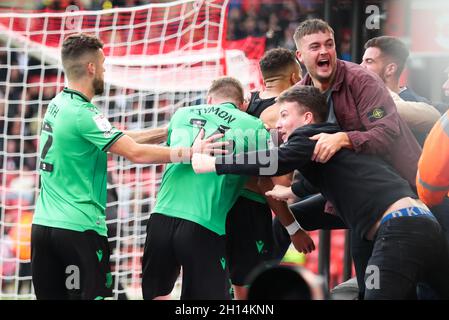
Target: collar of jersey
71, 91
231, 103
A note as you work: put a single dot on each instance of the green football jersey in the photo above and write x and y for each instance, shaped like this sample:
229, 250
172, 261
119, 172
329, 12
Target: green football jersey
206, 198
74, 141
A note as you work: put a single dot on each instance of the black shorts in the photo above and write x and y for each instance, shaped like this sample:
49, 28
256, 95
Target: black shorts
173, 243
68, 264
249, 241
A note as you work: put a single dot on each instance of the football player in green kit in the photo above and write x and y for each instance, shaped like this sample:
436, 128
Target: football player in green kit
70, 251
187, 226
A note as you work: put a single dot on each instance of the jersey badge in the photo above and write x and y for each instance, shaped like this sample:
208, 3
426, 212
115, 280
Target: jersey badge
102, 122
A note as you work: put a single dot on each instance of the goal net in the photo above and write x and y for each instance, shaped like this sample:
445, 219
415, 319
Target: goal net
160, 57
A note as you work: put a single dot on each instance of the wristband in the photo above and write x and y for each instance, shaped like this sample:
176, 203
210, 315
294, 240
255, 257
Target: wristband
293, 227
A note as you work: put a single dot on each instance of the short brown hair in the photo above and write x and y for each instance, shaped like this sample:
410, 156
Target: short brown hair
228, 88
308, 98
275, 62
73, 48
311, 26
392, 48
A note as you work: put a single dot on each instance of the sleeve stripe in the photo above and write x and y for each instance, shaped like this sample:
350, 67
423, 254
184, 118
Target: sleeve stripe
432, 188
111, 142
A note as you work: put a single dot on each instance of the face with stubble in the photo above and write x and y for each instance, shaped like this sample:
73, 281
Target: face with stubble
317, 52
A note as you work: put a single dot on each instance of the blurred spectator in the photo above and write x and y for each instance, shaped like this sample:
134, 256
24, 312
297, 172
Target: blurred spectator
61, 5
16, 83
21, 188
20, 236
386, 56
112, 219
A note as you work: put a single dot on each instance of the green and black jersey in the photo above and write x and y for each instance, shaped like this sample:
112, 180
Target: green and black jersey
74, 141
206, 198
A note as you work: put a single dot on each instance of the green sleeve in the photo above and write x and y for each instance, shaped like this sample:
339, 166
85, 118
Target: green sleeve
172, 124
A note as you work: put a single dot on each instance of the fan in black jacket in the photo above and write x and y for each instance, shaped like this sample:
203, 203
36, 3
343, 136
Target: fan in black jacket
367, 193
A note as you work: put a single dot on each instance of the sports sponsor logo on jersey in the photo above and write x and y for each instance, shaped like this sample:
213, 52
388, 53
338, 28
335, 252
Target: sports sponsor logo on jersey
102, 123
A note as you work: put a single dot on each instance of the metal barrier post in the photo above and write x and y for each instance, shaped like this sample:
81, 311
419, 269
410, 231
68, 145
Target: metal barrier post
324, 256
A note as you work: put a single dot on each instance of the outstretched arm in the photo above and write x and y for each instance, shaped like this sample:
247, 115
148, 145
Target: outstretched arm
144, 153
300, 239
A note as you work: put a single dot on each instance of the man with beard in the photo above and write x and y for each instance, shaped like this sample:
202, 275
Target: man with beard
433, 175
70, 251
386, 56
247, 250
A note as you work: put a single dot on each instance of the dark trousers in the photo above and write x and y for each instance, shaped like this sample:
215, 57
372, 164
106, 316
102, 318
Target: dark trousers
407, 251
311, 216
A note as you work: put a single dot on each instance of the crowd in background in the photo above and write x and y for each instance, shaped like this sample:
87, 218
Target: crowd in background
275, 20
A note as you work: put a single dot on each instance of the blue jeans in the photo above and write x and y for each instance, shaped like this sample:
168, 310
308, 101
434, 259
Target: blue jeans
408, 250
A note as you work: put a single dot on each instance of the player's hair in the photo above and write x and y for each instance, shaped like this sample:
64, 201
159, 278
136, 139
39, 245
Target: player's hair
227, 88
308, 98
277, 62
74, 47
392, 48
311, 26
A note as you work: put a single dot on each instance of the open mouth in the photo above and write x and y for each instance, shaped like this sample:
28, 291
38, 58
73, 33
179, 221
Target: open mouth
323, 63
